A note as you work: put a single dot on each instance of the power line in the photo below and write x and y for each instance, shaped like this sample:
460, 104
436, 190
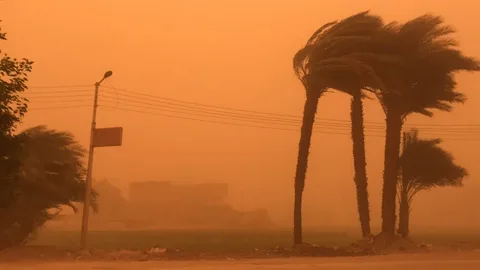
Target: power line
227, 117
334, 132
210, 121
59, 86
185, 109
63, 96
328, 126
201, 104
58, 107
153, 97
222, 117
156, 103
284, 117
61, 101
60, 91
252, 118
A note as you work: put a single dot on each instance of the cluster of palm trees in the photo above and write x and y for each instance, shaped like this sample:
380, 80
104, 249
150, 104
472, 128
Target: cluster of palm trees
408, 66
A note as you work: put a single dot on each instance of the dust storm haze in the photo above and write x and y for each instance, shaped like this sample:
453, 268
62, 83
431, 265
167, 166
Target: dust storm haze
235, 54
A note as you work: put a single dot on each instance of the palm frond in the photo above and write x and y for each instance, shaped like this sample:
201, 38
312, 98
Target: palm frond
431, 57
425, 165
335, 56
53, 166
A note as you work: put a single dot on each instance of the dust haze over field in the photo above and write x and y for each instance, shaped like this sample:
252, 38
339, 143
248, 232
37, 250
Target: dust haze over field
234, 54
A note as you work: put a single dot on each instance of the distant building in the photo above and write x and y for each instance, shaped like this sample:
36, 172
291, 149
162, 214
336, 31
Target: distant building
166, 205
159, 193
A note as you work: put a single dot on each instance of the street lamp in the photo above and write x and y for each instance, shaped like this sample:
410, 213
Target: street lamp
88, 182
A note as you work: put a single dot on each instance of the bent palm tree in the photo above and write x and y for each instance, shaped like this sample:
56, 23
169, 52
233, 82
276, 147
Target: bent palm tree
51, 176
332, 58
49, 153
425, 82
423, 165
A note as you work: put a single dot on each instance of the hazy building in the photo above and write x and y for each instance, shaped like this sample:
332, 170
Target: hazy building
166, 205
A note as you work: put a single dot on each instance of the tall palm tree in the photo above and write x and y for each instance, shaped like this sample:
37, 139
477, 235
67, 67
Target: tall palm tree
333, 58
359, 158
423, 165
425, 82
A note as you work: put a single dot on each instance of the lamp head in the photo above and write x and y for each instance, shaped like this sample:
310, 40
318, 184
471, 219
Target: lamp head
107, 74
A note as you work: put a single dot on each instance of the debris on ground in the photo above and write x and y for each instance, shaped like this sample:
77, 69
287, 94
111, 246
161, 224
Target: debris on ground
425, 247
156, 251
124, 254
382, 244
315, 250
83, 254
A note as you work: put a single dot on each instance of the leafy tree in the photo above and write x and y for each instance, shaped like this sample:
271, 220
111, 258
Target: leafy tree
424, 82
13, 79
333, 58
52, 175
423, 165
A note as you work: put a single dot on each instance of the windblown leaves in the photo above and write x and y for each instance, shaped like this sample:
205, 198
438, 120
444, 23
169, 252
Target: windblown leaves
334, 55
424, 164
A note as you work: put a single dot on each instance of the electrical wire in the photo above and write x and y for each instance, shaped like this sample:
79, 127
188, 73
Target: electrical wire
59, 86
59, 107
331, 132
144, 103
60, 92
211, 121
62, 96
149, 97
61, 101
216, 114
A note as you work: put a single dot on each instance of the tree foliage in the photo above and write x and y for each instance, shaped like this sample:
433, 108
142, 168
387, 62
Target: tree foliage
410, 66
430, 55
423, 82
51, 176
424, 165
333, 58
13, 78
13, 106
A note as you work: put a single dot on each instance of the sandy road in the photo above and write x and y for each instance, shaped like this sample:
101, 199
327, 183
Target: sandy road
444, 261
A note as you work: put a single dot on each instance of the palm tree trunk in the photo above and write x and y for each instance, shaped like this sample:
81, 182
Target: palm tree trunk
360, 163
302, 162
392, 150
404, 215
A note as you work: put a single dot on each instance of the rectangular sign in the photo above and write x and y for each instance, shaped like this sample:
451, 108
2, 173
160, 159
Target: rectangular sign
104, 137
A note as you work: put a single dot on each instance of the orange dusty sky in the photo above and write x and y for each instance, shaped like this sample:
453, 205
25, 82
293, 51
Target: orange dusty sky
232, 53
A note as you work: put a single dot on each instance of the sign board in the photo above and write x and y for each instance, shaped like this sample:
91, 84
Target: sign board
104, 137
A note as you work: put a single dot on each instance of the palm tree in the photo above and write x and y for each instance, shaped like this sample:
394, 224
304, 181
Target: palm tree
423, 165
425, 82
51, 176
359, 158
333, 58
55, 155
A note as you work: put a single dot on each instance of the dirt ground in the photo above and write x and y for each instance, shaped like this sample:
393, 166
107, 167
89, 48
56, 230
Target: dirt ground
443, 261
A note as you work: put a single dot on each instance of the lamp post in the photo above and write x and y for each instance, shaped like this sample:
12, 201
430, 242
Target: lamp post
88, 183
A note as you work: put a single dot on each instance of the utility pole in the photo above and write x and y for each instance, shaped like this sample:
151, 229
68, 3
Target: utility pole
88, 182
